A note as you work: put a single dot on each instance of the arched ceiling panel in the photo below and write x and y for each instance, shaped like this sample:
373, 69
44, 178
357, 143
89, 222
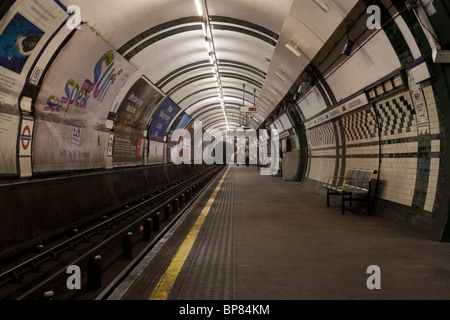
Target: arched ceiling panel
171, 53
202, 103
206, 88
226, 66
231, 93
267, 13
312, 16
165, 40
214, 100
117, 21
213, 114
212, 119
218, 126
300, 34
302, 37
243, 48
212, 107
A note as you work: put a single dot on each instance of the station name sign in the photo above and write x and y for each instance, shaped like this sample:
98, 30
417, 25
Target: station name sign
342, 108
249, 109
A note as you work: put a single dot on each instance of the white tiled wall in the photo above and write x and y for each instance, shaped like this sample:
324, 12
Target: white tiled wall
321, 168
435, 145
432, 185
400, 147
398, 179
322, 144
431, 105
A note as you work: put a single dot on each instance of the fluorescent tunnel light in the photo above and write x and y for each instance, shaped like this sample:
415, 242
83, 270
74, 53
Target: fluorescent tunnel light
322, 5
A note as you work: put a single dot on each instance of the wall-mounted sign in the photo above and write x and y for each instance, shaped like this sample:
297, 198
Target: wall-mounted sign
249, 109
340, 109
110, 145
25, 137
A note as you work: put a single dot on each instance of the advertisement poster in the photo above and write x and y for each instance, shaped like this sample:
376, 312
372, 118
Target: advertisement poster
9, 130
155, 152
76, 95
138, 106
82, 81
128, 149
66, 147
162, 119
181, 122
24, 31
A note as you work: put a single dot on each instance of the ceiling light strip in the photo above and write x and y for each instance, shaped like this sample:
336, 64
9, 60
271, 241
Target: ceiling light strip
199, 6
202, 11
322, 5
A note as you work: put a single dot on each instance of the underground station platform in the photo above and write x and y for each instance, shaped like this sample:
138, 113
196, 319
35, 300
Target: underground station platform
256, 238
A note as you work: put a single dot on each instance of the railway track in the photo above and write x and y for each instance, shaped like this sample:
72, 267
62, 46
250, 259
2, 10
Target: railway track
101, 250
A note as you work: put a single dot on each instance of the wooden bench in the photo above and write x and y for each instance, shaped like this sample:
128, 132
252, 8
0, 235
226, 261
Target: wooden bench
355, 181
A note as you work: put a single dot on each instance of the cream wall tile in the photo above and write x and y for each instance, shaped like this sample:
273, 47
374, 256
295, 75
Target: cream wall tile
432, 185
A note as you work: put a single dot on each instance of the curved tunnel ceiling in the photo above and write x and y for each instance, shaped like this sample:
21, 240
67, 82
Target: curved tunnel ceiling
166, 41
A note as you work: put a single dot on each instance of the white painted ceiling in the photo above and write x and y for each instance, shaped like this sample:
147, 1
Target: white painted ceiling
164, 39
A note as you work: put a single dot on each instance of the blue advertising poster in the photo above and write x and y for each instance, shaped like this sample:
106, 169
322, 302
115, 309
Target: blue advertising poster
24, 30
163, 117
17, 42
183, 122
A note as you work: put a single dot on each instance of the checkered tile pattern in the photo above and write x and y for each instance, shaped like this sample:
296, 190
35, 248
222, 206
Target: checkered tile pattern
322, 135
397, 115
361, 125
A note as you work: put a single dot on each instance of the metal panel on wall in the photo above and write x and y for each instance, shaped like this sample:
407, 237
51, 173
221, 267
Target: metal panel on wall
312, 104
285, 121
375, 60
156, 152
279, 126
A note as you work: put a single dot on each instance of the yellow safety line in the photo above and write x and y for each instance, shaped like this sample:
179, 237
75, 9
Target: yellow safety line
166, 282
